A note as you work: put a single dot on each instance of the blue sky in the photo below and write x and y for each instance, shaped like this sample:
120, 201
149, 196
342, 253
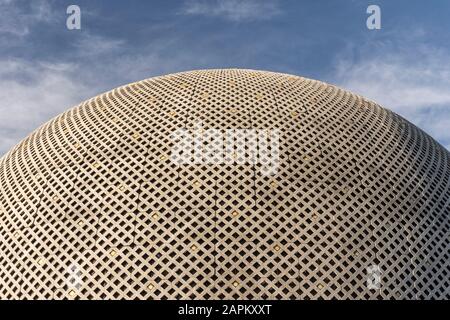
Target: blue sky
46, 68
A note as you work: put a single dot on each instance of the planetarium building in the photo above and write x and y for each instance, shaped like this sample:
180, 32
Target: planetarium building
226, 184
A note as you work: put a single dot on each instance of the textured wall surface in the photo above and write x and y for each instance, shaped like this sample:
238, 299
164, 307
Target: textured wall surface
93, 193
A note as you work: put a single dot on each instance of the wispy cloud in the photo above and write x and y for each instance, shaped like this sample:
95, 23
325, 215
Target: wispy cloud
91, 45
413, 82
33, 93
234, 10
18, 17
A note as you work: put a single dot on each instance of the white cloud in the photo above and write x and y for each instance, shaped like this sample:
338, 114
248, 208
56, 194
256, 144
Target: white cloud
18, 17
33, 93
414, 83
234, 10
90, 44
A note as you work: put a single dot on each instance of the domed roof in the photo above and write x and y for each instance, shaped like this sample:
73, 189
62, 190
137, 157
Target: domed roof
356, 203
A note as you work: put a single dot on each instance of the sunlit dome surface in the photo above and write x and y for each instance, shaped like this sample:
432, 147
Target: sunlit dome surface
93, 206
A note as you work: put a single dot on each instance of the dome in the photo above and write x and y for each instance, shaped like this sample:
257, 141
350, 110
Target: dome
308, 192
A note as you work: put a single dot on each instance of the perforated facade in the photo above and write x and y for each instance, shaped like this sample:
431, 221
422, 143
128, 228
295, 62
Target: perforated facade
94, 195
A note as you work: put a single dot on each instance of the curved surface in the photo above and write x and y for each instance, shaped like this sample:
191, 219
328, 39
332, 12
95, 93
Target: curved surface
94, 207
